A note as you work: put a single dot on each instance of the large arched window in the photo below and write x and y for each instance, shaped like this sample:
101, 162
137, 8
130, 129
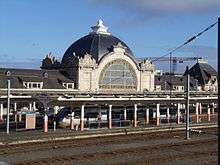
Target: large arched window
118, 74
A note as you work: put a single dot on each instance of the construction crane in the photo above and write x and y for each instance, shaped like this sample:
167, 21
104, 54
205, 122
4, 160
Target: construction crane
173, 60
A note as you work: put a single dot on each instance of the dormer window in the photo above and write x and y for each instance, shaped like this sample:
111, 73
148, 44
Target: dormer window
33, 85
68, 85
178, 88
45, 75
8, 73
158, 87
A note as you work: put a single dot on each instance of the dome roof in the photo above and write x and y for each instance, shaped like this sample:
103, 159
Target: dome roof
97, 43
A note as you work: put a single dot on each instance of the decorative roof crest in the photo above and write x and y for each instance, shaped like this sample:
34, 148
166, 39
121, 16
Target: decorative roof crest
119, 48
50, 56
100, 28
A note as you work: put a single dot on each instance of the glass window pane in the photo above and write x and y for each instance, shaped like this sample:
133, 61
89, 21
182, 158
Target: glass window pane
118, 74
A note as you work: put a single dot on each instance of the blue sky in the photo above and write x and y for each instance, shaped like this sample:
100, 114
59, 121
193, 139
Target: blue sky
30, 29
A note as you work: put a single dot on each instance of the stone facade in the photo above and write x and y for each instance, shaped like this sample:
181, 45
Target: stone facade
89, 71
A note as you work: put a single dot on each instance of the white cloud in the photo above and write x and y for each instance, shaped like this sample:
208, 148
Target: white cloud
148, 9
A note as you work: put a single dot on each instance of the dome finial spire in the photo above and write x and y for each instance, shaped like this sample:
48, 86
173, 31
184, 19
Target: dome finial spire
100, 28
100, 22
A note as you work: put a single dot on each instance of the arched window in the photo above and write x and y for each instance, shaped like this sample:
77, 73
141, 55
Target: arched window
118, 74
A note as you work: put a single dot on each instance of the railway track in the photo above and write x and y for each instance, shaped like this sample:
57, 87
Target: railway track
14, 148
10, 150
149, 150
35, 146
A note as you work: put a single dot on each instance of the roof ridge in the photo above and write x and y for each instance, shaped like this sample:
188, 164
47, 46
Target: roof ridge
202, 73
91, 45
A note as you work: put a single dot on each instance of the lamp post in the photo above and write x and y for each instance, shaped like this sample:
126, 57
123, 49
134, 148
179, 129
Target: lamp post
187, 103
218, 80
8, 105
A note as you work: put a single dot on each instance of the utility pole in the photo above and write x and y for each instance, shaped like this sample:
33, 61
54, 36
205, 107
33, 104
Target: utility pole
187, 103
218, 83
8, 105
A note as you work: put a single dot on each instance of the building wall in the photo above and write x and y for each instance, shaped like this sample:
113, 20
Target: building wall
89, 71
146, 76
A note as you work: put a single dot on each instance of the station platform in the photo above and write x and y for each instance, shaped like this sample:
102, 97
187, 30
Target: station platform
36, 136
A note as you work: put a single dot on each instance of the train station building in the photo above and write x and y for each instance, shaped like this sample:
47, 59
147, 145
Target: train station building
99, 73
100, 61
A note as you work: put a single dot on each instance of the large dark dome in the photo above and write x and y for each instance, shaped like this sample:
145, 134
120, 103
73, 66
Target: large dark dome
97, 43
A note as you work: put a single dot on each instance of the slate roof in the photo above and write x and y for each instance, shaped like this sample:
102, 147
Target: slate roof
173, 80
52, 79
202, 72
94, 44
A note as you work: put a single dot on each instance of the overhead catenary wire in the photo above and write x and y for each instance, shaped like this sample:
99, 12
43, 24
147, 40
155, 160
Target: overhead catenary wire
177, 48
187, 41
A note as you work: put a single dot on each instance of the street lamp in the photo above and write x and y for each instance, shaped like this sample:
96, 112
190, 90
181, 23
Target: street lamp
8, 105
